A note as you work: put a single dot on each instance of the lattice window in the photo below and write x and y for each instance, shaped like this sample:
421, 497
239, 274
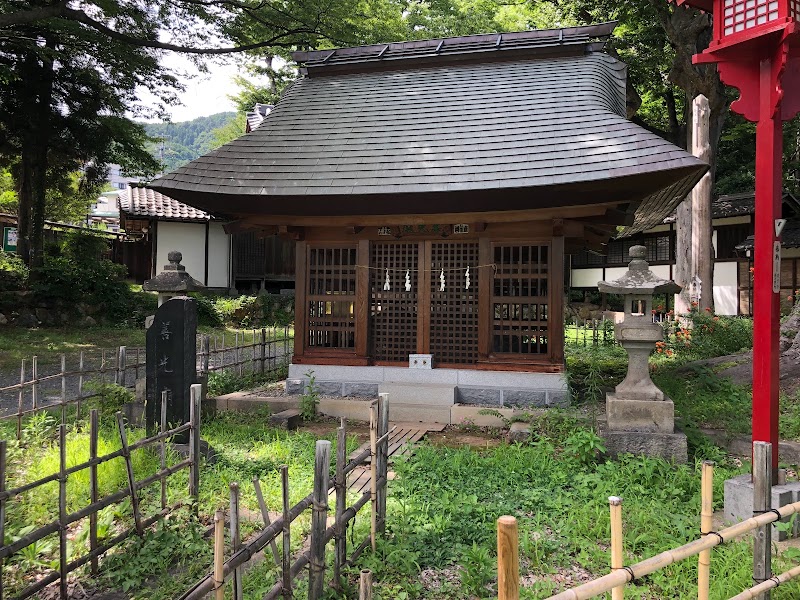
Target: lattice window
454, 311
739, 15
393, 312
331, 297
520, 299
658, 247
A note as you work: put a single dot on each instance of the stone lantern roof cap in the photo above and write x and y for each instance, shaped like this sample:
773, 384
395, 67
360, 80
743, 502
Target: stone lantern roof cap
173, 278
639, 279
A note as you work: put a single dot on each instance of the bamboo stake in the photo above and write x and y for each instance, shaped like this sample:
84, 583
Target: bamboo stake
206, 346
20, 399
236, 540
122, 363
195, 392
2, 506
507, 559
123, 436
365, 585
162, 447
35, 387
615, 504
63, 388
373, 469
286, 564
219, 555
267, 521
706, 525
93, 497
62, 511
253, 347
767, 585
223, 352
340, 543
383, 458
762, 501
263, 345
80, 386
136, 365
319, 517
103, 365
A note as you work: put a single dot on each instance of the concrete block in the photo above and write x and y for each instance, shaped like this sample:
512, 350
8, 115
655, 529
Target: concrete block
518, 433
423, 394
359, 389
418, 413
524, 398
558, 399
624, 414
669, 446
329, 388
512, 380
420, 361
471, 414
426, 376
479, 396
295, 387
337, 373
739, 502
352, 410
286, 419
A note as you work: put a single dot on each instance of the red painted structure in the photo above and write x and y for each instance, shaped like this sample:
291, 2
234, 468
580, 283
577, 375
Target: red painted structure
757, 50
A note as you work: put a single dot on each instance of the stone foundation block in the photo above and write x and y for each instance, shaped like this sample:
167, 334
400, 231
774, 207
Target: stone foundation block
428, 394
652, 416
524, 398
328, 388
558, 399
739, 503
479, 396
358, 389
286, 419
669, 446
295, 387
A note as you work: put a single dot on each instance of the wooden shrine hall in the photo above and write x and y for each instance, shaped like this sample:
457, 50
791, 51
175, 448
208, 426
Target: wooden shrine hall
433, 189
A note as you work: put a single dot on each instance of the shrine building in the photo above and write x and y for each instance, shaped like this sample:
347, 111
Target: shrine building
433, 189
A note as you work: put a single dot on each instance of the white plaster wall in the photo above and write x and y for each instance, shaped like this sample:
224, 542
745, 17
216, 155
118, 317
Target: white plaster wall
660, 271
189, 239
615, 273
586, 278
219, 257
725, 288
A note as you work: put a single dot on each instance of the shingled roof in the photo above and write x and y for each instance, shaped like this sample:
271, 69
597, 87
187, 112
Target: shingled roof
790, 237
140, 201
737, 205
500, 122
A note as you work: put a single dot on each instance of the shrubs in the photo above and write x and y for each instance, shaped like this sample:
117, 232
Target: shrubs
709, 336
593, 369
245, 311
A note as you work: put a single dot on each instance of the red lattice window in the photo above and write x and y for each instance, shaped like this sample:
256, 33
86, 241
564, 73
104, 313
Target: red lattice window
454, 310
331, 297
739, 15
520, 299
393, 312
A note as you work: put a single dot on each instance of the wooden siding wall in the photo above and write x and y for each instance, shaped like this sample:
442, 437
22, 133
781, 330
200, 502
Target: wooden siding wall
268, 258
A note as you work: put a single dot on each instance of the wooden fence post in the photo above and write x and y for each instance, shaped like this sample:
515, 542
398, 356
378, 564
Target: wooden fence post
383, 458
373, 473
706, 525
20, 399
162, 447
63, 388
507, 559
286, 563
617, 561
62, 511
263, 345
365, 585
2, 506
762, 502
35, 386
319, 517
340, 537
219, 555
80, 387
94, 425
205, 346
267, 521
122, 362
236, 539
195, 392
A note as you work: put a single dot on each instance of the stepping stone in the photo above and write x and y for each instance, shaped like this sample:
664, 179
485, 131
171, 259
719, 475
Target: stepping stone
286, 419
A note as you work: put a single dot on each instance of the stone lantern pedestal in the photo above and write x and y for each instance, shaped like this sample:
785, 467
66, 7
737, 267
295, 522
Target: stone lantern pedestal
640, 419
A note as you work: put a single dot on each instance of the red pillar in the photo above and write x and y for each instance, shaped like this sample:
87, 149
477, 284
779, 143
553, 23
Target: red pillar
766, 303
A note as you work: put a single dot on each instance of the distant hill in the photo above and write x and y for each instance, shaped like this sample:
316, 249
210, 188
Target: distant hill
185, 141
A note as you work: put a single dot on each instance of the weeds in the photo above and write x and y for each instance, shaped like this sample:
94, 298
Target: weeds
309, 401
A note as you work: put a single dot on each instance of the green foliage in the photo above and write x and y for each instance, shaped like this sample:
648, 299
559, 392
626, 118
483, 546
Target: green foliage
708, 336
111, 396
13, 272
227, 382
264, 310
309, 401
585, 446
176, 540
175, 144
592, 369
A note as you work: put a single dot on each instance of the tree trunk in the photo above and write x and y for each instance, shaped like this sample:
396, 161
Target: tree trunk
702, 245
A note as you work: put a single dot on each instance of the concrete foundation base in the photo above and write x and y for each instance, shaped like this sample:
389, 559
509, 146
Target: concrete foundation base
624, 414
739, 503
669, 446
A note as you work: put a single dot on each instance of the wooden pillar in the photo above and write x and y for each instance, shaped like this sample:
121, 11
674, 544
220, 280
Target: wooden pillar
300, 302
556, 287
362, 299
424, 299
485, 309
702, 266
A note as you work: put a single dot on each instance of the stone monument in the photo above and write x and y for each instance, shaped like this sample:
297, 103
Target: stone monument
640, 418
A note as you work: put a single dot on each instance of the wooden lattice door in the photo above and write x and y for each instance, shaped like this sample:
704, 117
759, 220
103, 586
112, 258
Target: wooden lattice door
454, 305
331, 281
393, 311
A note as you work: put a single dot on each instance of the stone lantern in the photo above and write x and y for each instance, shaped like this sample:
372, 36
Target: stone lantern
640, 418
173, 280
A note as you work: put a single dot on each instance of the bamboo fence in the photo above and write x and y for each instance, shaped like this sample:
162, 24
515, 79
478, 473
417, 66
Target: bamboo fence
760, 523
264, 353
312, 559
131, 491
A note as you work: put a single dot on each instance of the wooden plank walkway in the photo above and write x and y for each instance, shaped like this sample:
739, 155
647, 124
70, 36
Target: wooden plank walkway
401, 443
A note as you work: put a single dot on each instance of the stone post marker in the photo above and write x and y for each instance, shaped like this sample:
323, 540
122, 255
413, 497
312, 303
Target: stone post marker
640, 418
171, 344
